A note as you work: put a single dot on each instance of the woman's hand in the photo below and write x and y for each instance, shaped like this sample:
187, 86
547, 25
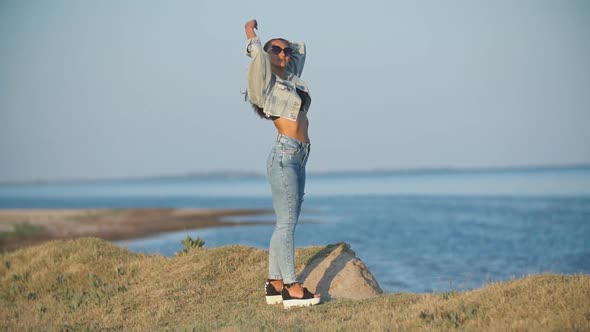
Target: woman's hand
250, 27
251, 24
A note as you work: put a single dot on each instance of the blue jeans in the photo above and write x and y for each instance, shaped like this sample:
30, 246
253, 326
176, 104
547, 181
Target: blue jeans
286, 173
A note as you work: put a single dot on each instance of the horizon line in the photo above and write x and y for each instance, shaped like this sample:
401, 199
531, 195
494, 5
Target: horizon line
251, 173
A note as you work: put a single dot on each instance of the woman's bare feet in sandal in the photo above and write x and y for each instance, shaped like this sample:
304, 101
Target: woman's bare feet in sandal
295, 295
273, 288
277, 284
296, 291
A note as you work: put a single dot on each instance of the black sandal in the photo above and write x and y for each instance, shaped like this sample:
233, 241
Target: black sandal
308, 298
272, 295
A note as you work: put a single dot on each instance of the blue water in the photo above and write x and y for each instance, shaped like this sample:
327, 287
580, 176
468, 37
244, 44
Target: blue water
416, 231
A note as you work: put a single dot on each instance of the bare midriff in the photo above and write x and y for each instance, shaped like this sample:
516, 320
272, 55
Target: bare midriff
295, 129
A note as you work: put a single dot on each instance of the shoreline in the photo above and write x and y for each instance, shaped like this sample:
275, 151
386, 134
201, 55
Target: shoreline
21, 228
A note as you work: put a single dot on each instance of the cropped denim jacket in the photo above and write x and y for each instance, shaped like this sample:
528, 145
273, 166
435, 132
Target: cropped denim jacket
277, 97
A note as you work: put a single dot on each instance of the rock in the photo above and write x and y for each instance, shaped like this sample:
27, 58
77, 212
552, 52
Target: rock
335, 272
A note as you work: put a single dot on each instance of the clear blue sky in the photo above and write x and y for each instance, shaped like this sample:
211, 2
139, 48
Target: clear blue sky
98, 89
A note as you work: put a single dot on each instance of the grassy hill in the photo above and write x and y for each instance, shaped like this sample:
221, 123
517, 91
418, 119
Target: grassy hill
91, 284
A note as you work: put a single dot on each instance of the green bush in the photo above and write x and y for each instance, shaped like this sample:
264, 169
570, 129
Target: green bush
189, 244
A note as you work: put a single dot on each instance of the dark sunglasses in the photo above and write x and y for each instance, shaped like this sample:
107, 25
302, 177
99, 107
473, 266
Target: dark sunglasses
276, 50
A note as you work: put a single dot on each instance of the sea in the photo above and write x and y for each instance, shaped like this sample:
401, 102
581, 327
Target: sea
418, 231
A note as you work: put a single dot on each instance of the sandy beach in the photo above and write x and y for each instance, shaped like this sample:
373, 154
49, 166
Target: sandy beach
20, 228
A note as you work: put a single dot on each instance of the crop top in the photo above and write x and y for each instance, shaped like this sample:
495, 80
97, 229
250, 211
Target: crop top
276, 96
303, 95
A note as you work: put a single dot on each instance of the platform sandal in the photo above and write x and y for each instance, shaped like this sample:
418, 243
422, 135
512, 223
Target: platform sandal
308, 298
272, 295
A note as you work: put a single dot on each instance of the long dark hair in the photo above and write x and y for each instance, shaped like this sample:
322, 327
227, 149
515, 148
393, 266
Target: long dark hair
257, 109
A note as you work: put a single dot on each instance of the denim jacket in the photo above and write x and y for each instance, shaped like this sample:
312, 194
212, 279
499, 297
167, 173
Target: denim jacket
276, 96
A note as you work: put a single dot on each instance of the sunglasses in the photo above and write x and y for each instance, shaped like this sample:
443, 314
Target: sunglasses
276, 50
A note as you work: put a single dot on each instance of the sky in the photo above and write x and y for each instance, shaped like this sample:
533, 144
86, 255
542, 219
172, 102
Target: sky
110, 89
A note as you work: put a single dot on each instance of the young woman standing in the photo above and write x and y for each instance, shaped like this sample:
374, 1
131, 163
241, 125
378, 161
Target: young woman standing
277, 93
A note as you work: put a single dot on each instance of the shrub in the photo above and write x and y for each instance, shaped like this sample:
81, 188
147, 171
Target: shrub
189, 244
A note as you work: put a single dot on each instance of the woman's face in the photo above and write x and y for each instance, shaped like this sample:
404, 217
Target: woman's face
279, 60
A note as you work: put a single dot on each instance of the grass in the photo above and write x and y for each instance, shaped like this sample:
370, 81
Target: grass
21, 230
91, 284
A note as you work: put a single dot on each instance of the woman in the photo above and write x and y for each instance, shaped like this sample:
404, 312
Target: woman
277, 93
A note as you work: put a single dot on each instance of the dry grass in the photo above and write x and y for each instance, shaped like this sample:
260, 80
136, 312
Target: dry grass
90, 284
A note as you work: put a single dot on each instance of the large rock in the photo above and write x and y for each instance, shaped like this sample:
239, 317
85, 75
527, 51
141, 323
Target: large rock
336, 272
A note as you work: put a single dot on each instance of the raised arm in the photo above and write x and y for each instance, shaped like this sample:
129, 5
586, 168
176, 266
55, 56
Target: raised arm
297, 61
259, 71
250, 27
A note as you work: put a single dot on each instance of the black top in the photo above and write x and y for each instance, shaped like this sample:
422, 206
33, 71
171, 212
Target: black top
303, 95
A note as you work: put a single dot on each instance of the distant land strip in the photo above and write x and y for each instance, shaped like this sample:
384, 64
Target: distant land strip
237, 174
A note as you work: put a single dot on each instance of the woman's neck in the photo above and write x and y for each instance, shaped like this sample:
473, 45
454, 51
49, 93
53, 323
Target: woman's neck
280, 72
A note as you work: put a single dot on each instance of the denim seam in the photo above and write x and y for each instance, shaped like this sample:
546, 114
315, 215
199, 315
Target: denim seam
269, 164
288, 254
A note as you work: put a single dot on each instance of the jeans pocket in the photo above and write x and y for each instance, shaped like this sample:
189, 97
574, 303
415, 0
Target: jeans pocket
290, 149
